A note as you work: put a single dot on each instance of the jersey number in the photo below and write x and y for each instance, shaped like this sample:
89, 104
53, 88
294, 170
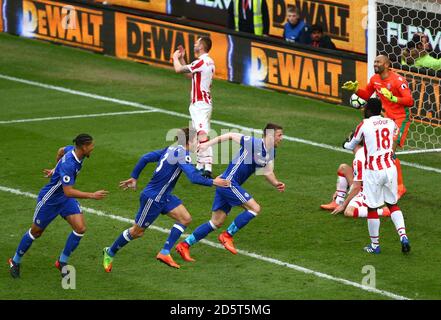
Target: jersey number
384, 137
161, 162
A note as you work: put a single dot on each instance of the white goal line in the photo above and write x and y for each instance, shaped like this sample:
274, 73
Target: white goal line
182, 115
242, 252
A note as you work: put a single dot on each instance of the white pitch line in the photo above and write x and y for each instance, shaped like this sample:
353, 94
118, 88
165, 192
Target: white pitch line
182, 115
242, 252
94, 115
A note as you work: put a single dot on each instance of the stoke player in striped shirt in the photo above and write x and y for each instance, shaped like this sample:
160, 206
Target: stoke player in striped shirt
352, 204
202, 72
380, 174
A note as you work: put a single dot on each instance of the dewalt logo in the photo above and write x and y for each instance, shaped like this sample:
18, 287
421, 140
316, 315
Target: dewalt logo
294, 71
147, 40
62, 23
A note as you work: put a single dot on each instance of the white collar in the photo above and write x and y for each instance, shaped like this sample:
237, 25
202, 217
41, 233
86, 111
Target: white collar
75, 156
202, 55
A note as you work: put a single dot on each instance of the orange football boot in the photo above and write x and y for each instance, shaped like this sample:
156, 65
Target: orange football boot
227, 242
184, 250
168, 260
330, 206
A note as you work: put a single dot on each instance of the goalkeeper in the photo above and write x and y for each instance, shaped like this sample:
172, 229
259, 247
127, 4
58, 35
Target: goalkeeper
396, 98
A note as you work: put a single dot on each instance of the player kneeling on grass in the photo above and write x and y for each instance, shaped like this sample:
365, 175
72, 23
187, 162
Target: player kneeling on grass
157, 199
254, 154
58, 198
354, 205
380, 174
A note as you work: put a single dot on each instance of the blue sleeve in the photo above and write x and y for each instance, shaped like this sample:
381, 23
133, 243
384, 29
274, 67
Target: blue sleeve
153, 156
67, 174
194, 175
68, 148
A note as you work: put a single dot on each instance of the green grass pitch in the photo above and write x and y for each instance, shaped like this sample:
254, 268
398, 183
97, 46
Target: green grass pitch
291, 227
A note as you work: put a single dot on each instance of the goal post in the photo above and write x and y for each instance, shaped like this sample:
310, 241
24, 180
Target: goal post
392, 25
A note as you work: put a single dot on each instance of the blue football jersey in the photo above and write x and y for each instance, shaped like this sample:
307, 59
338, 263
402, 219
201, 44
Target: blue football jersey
251, 156
65, 174
171, 161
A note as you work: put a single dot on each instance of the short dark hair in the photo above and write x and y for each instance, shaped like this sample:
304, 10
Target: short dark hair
316, 28
292, 9
271, 126
206, 41
373, 108
184, 135
82, 139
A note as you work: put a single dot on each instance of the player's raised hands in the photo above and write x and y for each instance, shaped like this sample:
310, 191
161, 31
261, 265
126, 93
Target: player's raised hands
48, 172
128, 184
219, 182
100, 194
177, 54
280, 186
350, 85
182, 51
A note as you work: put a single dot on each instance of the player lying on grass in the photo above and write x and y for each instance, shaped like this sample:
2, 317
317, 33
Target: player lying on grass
354, 204
157, 197
254, 154
58, 197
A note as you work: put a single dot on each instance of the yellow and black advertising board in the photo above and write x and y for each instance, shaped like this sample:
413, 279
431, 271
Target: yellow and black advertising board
343, 20
60, 22
159, 6
254, 61
152, 41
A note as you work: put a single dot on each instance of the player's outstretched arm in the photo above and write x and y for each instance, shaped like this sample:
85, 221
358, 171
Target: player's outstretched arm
49, 172
128, 184
350, 86
225, 137
195, 177
153, 156
70, 192
272, 179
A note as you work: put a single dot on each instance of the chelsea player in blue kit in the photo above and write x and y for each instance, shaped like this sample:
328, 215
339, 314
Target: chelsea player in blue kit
254, 154
156, 198
58, 198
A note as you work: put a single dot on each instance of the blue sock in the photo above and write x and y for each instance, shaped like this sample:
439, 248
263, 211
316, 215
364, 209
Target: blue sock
240, 221
24, 246
71, 244
199, 233
174, 235
123, 239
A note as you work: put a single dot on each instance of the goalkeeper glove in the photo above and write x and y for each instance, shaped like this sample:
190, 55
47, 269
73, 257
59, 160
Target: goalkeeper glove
388, 95
350, 85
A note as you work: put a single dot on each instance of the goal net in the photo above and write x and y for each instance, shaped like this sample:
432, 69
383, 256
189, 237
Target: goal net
409, 33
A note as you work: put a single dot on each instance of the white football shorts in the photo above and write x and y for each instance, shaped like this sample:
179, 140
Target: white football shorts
380, 186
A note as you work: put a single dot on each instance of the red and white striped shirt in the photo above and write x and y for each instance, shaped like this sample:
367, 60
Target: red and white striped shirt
202, 70
378, 134
358, 164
